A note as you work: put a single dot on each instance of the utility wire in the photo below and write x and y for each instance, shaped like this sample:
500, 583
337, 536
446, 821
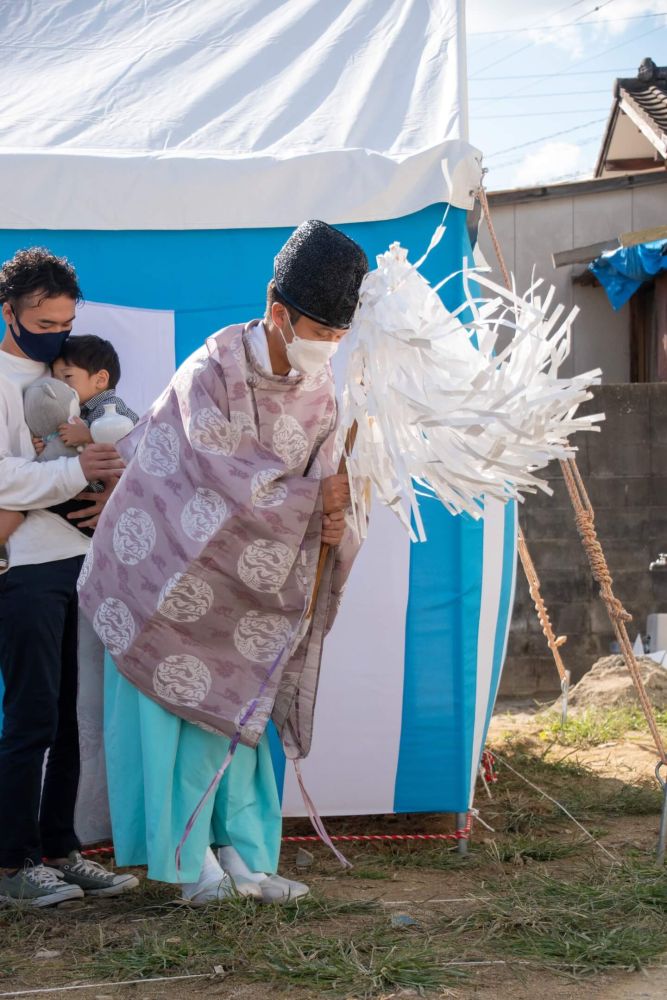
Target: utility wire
543, 138
543, 76
547, 27
557, 93
520, 159
539, 114
561, 10
602, 52
555, 27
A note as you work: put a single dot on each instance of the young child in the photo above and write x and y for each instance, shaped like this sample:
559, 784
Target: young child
89, 365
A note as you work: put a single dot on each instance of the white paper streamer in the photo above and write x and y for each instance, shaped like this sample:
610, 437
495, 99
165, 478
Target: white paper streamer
462, 405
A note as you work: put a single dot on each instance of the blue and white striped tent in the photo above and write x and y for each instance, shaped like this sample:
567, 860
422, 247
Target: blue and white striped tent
169, 157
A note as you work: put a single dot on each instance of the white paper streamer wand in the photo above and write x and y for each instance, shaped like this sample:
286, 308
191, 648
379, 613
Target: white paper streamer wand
464, 410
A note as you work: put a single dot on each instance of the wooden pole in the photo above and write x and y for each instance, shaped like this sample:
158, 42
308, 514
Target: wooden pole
350, 438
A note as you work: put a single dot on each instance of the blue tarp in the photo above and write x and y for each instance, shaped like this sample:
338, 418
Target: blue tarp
622, 271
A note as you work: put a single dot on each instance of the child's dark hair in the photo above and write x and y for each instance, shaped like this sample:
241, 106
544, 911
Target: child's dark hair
37, 270
92, 354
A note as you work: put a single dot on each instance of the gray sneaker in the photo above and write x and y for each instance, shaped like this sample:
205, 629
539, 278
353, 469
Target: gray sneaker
93, 878
37, 885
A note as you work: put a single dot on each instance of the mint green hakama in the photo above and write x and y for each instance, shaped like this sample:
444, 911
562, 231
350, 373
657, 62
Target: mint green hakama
158, 769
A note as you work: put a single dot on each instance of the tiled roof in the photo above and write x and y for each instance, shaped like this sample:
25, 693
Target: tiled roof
648, 94
644, 99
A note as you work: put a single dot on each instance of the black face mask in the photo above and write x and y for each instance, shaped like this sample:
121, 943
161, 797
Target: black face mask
44, 347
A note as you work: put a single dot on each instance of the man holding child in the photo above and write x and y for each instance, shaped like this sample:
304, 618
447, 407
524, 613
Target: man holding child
38, 601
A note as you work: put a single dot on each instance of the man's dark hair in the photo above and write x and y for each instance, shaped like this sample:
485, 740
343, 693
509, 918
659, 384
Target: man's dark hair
37, 270
273, 295
92, 354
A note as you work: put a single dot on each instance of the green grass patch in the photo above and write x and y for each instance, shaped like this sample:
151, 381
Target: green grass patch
607, 918
388, 859
595, 726
507, 906
584, 792
177, 939
376, 874
519, 850
364, 965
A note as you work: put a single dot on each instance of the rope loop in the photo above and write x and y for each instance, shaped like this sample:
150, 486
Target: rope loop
584, 520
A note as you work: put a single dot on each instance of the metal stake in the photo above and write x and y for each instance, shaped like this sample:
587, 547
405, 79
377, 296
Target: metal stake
565, 690
662, 836
461, 823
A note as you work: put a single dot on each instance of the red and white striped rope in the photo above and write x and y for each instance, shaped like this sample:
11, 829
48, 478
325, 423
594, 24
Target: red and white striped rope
464, 834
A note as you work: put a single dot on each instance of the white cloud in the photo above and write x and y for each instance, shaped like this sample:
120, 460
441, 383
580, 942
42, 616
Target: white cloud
509, 15
550, 162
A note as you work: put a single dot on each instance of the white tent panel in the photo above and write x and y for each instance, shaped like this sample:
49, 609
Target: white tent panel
359, 710
245, 113
144, 340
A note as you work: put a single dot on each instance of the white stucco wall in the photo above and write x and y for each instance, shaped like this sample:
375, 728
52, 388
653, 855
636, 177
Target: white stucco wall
529, 232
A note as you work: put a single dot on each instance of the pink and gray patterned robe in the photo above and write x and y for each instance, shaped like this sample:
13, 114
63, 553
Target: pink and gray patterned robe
203, 564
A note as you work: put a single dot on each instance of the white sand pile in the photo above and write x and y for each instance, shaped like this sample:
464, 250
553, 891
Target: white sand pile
608, 684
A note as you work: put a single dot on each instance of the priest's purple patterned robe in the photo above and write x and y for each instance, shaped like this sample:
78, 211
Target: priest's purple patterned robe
202, 567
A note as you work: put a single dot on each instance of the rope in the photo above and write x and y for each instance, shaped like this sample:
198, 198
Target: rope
365, 837
540, 607
484, 202
106, 850
585, 521
488, 765
618, 616
560, 806
96, 986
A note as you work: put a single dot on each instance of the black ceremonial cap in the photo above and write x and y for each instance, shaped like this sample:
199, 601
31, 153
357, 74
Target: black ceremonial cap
319, 272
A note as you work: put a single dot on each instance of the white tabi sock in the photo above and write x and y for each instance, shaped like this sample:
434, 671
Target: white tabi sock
232, 862
211, 874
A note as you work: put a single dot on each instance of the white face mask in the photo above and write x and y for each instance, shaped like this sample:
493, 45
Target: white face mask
308, 356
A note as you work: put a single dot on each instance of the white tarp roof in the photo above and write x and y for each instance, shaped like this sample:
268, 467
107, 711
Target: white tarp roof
172, 114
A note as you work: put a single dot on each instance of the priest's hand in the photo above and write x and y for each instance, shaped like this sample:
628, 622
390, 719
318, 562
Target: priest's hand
335, 493
98, 502
333, 528
99, 461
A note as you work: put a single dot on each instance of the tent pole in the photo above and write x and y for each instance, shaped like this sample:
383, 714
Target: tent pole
462, 68
461, 824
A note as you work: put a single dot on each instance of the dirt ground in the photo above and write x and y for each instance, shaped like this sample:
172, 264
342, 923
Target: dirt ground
458, 911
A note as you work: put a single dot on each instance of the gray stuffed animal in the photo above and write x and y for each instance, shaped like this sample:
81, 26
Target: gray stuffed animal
48, 403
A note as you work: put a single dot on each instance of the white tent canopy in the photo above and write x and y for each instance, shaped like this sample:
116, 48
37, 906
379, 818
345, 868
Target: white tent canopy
217, 122
235, 113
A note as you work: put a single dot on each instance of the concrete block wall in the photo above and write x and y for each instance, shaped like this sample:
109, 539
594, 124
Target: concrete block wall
624, 467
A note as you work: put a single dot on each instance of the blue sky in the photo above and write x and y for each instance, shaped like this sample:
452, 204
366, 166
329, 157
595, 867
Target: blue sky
541, 77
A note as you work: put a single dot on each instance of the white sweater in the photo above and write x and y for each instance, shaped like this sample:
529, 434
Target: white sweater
29, 485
